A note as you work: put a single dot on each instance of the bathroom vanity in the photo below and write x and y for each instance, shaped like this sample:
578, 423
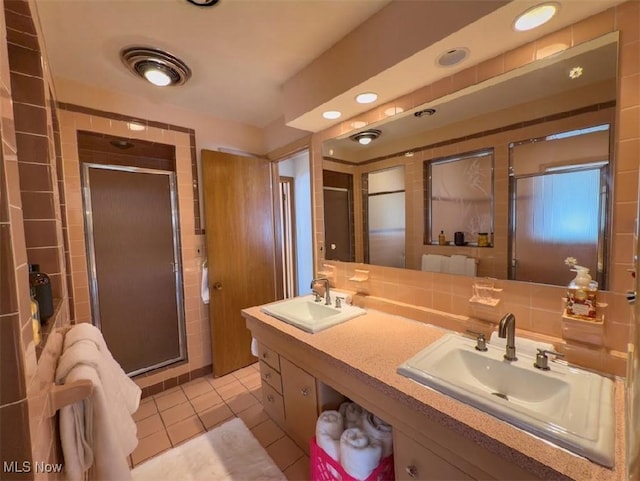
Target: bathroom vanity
435, 436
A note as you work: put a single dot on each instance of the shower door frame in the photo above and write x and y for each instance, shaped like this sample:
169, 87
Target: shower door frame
177, 258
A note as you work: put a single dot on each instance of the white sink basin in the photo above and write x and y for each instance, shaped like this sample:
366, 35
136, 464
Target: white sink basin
568, 406
308, 315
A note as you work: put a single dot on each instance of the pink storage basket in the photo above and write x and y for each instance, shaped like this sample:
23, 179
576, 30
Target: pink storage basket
321, 464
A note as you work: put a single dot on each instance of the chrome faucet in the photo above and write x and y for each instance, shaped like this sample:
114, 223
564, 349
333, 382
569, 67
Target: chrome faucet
327, 295
507, 328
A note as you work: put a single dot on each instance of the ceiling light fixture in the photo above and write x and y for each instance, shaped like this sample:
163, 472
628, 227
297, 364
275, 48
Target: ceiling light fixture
452, 57
203, 3
535, 16
423, 112
576, 72
332, 114
365, 137
156, 66
366, 97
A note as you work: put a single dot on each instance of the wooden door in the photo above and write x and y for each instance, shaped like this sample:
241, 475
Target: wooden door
240, 243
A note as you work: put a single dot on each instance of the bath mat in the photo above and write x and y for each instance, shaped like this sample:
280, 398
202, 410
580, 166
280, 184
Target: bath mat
227, 453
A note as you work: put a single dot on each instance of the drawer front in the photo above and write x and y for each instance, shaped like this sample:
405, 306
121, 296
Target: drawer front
273, 403
414, 461
271, 376
269, 356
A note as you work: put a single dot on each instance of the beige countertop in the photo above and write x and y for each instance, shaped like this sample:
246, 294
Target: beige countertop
372, 346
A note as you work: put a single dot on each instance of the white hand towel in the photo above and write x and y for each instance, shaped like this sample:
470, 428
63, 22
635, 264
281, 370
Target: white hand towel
524, 346
458, 265
254, 347
330, 423
204, 290
431, 263
377, 429
352, 414
359, 455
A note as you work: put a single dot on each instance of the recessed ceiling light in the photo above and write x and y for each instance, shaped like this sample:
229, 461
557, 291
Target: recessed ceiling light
575, 72
332, 114
366, 98
452, 57
158, 67
391, 111
423, 112
535, 16
365, 137
204, 3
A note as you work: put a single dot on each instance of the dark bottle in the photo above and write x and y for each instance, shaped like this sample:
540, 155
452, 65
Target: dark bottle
41, 285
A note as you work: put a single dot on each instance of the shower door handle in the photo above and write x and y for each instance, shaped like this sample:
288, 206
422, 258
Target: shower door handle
217, 286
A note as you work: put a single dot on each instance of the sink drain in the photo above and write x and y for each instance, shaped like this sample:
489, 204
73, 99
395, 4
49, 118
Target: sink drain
499, 394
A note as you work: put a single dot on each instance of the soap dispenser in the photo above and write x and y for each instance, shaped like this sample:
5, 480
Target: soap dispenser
442, 239
581, 295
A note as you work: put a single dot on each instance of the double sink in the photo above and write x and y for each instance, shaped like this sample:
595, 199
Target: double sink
570, 407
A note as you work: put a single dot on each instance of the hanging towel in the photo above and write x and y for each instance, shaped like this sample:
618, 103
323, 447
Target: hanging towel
204, 290
329, 428
380, 431
359, 455
352, 414
254, 347
97, 431
431, 263
458, 265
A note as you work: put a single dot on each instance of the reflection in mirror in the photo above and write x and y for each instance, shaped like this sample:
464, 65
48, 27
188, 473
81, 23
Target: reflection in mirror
385, 203
338, 204
461, 199
559, 204
540, 99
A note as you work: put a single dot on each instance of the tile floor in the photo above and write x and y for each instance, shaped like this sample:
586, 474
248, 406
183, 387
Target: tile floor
179, 414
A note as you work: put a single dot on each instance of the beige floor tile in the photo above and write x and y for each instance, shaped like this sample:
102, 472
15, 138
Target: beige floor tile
251, 381
177, 413
231, 390
221, 381
150, 446
253, 415
206, 401
284, 452
241, 402
256, 366
267, 432
244, 372
214, 416
166, 401
257, 393
299, 471
197, 388
149, 425
185, 429
146, 409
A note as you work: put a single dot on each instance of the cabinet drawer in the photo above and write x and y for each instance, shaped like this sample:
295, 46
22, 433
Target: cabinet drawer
271, 376
269, 356
414, 461
273, 403
300, 402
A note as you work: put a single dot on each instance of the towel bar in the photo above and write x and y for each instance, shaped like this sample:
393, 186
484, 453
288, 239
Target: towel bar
65, 394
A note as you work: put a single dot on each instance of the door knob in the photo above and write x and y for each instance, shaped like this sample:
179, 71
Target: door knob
218, 286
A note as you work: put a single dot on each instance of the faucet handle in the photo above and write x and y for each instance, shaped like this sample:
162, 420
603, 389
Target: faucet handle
481, 340
542, 361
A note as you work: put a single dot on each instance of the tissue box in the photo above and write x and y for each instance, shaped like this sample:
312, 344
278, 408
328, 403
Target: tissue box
321, 464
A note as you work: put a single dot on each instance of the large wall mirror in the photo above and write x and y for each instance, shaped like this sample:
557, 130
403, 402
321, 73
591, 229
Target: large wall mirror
471, 160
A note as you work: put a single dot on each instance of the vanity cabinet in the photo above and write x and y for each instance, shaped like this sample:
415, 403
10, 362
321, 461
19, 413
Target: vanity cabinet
292, 397
414, 461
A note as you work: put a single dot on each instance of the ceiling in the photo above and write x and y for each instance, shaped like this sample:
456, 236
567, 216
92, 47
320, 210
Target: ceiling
241, 52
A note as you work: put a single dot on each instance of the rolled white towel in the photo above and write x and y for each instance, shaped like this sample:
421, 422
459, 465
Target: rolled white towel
359, 455
329, 428
377, 429
352, 414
